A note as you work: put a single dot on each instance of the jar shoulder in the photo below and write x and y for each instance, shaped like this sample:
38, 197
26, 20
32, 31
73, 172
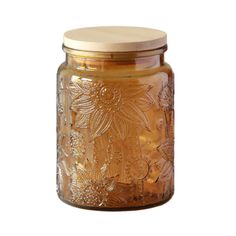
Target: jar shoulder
61, 68
168, 69
66, 70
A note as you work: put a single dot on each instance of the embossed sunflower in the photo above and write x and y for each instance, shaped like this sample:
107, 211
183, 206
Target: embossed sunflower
100, 106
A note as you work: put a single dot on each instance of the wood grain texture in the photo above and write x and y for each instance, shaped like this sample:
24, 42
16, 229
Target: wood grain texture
115, 39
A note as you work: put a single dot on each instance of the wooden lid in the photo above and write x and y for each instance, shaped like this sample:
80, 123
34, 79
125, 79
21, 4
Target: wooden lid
114, 39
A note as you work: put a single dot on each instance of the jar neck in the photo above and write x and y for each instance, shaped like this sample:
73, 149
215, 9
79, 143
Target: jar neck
113, 61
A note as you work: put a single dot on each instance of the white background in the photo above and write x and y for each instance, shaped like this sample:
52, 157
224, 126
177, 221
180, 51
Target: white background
202, 52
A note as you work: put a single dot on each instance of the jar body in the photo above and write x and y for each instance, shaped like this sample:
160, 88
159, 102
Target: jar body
115, 132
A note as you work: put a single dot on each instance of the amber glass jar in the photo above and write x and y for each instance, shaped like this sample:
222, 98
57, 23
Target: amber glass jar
115, 119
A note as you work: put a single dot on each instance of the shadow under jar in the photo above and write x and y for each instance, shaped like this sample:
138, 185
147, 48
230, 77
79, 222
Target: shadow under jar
115, 119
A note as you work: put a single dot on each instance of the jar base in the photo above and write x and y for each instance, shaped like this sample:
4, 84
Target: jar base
129, 208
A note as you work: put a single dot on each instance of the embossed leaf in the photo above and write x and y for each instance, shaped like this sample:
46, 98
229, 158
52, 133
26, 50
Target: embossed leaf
133, 113
120, 127
103, 169
116, 199
63, 167
100, 122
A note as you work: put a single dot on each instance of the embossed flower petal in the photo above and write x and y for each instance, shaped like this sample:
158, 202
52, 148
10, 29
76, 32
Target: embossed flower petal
86, 85
136, 90
100, 122
83, 104
82, 174
166, 170
120, 126
76, 89
154, 172
144, 103
111, 185
167, 150
133, 113
116, 199
81, 168
103, 169
82, 120
166, 97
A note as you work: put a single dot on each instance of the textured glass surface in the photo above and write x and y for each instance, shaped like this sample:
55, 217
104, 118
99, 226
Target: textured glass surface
115, 132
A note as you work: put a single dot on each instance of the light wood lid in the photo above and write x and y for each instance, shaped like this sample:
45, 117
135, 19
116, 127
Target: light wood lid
114, 39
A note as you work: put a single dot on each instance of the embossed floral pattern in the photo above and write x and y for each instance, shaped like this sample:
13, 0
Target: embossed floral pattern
100, 106
166, 96
89, 191
106, 157
166, 172
166, 163
167, 150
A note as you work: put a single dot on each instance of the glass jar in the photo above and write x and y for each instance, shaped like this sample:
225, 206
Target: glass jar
115, 119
